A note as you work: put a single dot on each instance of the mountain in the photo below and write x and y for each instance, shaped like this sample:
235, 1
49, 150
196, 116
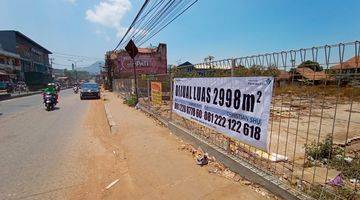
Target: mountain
58, 72
94, 68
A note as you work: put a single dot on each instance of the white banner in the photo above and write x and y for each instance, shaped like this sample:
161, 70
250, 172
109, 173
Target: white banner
239, 107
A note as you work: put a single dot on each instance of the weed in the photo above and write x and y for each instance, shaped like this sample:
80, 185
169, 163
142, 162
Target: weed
322, 150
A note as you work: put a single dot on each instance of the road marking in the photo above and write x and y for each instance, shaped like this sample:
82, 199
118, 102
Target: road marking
7, 100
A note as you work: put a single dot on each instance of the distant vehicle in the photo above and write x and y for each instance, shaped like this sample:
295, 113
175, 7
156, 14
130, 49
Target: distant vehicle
75, 89
89, 90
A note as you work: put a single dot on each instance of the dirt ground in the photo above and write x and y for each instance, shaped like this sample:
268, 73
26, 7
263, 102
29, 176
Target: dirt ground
101, 164
143, 160
293, 123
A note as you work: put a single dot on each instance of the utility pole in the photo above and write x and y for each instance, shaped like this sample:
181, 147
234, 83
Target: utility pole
135, 76
51, 66
74, 68
133, 51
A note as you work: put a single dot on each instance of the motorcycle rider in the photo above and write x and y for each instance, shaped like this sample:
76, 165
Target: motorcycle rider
57, 87
51, 88
75, 88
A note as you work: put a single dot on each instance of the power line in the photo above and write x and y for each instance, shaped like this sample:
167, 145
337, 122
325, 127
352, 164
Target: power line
74, 56
153, 21
168, 22
172, 14
69, 65
159, 17
132, 24
154, 17
136, 30
166, 18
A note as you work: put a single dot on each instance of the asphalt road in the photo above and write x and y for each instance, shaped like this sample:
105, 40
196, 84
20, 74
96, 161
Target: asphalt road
39, 150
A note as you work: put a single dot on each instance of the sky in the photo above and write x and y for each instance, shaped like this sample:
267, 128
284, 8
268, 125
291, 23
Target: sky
223, 29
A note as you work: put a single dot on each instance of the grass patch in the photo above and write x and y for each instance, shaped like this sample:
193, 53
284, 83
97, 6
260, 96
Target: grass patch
321, 193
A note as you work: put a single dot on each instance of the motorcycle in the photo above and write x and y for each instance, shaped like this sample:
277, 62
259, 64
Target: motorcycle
49, 101
76, 90
57, 88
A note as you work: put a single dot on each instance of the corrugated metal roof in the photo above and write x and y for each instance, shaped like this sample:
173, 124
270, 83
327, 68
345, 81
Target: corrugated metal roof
352, 63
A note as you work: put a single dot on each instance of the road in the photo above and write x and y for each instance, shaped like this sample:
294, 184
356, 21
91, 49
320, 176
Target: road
39, 156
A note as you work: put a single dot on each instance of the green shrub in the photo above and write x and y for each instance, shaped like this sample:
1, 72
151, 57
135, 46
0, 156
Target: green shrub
322, 150
334, 157
131, 101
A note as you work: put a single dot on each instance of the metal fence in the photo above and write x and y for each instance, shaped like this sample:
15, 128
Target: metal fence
314, 123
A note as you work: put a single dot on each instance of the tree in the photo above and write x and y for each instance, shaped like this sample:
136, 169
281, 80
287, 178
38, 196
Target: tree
209, 58
315, 66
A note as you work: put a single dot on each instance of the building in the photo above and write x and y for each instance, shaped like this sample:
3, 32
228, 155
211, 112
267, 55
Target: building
348, 72
186, 67
350, 66
147, 61
34, 68
9, 65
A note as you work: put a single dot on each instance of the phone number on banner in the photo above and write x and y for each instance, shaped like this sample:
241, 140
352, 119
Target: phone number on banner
216, 119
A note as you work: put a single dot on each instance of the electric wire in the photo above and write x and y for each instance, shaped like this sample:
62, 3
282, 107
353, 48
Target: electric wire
152, 18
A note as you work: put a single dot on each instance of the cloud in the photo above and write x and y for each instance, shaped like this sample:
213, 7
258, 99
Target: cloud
71, 1
103, 34
109, 13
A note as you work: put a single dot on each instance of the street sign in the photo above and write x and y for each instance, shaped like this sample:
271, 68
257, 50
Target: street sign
131, 49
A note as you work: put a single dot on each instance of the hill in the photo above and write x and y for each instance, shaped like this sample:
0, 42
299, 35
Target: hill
93, 68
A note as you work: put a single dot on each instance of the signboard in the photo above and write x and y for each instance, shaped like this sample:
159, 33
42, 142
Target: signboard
156, 93
145, 64
131, 49
239, 107
147, 61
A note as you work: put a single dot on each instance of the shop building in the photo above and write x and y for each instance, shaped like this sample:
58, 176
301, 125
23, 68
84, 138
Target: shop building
31, 59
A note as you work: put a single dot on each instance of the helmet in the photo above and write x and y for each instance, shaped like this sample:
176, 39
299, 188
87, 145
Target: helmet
51, 85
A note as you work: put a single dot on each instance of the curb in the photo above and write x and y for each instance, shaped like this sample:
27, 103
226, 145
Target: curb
241, 166
8, 96
113, 126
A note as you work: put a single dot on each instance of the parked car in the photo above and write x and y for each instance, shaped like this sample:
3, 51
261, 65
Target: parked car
89, 90
7, 85
3, 85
